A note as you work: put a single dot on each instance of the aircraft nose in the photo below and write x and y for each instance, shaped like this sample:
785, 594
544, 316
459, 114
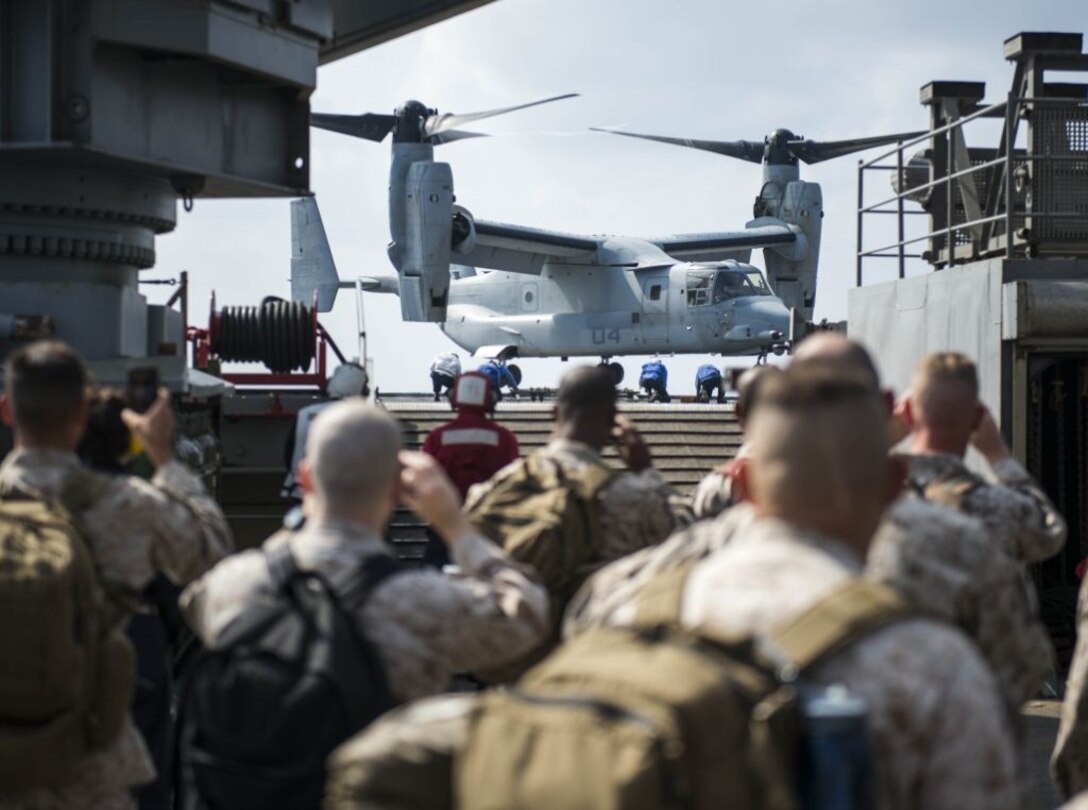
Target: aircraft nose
773, 314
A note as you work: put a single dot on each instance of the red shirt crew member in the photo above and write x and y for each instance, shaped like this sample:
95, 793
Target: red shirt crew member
472, 447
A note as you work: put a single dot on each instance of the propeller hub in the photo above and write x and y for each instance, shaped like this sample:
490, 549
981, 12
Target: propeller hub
778, 151
410, 118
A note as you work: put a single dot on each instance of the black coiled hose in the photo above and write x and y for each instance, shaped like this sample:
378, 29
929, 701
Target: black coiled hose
278, 333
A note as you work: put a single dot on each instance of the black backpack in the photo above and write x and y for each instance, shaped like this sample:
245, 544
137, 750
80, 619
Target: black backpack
287, 682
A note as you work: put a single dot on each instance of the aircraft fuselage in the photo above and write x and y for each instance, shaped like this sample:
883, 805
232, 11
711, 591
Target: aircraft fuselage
688, 307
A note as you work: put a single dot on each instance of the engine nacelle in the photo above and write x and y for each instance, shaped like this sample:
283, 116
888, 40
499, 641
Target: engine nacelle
791, 269
464, 231
917, 173
428, 231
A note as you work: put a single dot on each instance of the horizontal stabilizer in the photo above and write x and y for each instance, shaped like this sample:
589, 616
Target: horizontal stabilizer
375, 284
312, 266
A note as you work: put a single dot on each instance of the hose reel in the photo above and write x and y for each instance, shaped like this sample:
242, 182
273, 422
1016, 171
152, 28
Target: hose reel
280, 334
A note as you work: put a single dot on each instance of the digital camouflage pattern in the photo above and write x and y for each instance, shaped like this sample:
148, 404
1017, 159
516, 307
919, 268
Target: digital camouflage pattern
136, 530
1018, 516
426, 625
939, 726
945, 562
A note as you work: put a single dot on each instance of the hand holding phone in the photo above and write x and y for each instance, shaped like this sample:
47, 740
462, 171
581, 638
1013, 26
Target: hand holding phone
154, 430
143, 388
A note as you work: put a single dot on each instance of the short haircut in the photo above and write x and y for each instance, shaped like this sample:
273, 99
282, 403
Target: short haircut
947, 367
819, 441
585, 388
815, 383
835, 346
944, 395
46, 383
352, 452
106, 439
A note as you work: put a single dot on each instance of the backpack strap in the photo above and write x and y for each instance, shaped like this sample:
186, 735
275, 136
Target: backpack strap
282, 565
374, 570
845, 616
594, 479
661, 600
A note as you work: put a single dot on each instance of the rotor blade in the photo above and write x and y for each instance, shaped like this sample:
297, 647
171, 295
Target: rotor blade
370, 126
742, 150
817, 151
451, 135
443, 123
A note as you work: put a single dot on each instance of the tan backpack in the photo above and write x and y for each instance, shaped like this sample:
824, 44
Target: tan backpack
550, 520
66, 673
655, 717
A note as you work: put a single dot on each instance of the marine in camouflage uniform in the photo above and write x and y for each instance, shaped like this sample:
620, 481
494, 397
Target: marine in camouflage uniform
636, 507
425, 625
945, 562
1019, 518
927, 552
940, 733
136, 530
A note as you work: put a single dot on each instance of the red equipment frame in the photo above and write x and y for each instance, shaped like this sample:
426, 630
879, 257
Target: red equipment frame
203, 339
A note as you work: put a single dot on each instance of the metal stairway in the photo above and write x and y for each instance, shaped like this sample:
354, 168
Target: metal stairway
686, 440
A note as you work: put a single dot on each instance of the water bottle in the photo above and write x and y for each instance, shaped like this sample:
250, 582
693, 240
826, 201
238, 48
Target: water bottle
836, 758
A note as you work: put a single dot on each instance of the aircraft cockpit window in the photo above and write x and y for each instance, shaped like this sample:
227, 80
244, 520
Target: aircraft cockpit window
655, 292
759, 283
729, 284
699, 286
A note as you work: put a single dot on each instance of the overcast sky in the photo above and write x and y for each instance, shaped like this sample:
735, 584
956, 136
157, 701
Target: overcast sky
692, 68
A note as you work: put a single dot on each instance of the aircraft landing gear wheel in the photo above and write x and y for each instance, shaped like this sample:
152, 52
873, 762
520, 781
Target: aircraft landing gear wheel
515, 372
616, 370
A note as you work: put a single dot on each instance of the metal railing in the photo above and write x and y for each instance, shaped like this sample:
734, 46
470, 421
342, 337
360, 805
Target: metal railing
997, 212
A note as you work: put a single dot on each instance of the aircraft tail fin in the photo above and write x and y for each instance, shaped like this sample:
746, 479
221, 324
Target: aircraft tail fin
312, 265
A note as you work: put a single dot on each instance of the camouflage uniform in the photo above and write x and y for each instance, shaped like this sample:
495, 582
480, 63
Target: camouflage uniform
610, 597
1070, 762
715, 492
933, 556
945, 562
136, 530
1017, 514
940, 734
636, 508
425, 625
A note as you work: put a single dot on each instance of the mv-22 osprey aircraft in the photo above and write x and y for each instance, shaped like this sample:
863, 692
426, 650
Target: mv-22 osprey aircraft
504, 291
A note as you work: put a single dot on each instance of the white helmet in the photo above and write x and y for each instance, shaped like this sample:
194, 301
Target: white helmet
348, 380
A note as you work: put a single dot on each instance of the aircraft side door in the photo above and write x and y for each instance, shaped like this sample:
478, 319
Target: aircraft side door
655, 307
